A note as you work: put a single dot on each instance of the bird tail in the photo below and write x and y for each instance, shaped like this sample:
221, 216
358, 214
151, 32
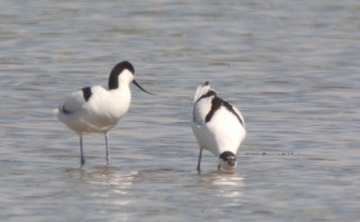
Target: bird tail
202, 90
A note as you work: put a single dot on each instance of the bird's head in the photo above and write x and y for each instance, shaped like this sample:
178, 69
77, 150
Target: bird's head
227, 161
124, 71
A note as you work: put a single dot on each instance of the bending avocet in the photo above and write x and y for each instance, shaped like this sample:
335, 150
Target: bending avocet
218, 127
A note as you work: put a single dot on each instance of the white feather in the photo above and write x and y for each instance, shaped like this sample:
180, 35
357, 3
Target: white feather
97, 115
201, 90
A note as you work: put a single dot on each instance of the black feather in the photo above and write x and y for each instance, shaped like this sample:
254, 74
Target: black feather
86, 93
216, 104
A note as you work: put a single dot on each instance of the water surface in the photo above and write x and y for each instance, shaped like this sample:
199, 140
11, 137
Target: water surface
291, 68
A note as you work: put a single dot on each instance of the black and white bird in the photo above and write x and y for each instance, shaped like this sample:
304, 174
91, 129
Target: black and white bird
218, 127
97, 109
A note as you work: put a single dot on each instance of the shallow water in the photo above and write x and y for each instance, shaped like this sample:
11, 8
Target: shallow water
291, 68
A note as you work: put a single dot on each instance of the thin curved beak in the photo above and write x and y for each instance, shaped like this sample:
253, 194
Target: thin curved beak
140, 87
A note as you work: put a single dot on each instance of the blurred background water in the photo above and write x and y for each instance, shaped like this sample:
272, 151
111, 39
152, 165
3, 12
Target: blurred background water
292, 68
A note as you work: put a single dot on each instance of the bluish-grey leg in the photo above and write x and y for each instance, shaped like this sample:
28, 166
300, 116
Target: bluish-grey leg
107, 149
199, 160
82, 159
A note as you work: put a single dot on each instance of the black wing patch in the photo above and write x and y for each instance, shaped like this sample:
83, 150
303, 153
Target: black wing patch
86, 93
208, 94
216, 103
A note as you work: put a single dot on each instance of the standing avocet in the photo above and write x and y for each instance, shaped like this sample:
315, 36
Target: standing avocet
96, 109
218, 127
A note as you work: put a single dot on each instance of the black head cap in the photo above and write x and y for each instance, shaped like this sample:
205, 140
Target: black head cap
228, 157
115, 72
